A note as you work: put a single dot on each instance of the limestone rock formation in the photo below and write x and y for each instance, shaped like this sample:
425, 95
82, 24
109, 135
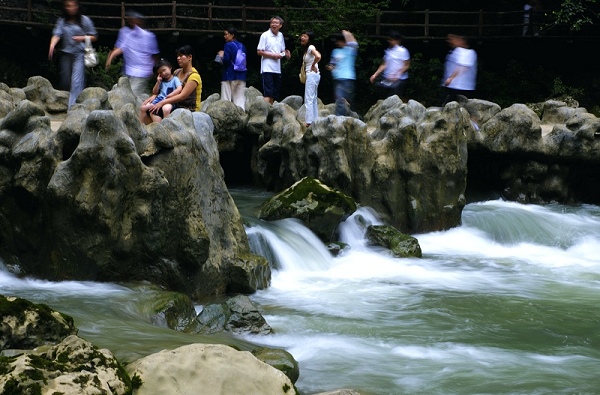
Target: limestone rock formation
104, 198
407, 162
40, 353
538, 154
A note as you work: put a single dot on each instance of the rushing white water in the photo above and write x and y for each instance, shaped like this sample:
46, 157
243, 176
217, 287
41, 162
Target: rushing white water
507, 303
504, 304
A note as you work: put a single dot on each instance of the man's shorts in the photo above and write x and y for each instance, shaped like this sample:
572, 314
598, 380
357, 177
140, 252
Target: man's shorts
271, 85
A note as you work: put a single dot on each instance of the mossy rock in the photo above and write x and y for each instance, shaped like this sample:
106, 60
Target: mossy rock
173, 310
280, 360
401, 245
318, 206
27, 325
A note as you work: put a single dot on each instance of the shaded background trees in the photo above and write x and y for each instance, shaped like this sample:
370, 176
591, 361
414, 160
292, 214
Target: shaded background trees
520, 70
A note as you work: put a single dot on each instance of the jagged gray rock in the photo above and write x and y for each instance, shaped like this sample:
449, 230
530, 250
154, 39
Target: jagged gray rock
409, 164
104, 198
538, 154
237, 315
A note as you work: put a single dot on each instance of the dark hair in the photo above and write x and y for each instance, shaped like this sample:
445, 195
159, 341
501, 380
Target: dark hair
76, 17
311, 38
186, 50
338, 37
159, 64
232, 31
394, 35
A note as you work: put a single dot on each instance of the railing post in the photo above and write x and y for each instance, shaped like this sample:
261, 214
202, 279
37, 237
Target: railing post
29, 11
378, 23
122, 13
209, 16
174, 17
426, 24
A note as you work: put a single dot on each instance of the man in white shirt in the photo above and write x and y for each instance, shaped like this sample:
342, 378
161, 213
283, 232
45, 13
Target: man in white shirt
271, 49
393, 69
460, 69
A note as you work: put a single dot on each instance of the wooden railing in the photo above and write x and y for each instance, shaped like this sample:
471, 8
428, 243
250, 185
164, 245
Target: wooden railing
174, 16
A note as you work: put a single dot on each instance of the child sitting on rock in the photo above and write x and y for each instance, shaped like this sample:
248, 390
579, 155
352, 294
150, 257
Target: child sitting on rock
166, 84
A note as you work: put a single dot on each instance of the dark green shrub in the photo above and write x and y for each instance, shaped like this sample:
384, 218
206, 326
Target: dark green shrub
100, 76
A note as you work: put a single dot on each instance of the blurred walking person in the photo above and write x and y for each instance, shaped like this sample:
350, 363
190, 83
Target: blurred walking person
139, 48
70, 31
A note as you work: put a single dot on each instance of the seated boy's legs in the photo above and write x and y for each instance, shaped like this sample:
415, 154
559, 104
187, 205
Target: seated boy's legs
166, 109
156, 116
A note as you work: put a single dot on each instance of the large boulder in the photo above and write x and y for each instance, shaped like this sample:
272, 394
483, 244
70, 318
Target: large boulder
41, 354
212, 368
105, 198
73, 366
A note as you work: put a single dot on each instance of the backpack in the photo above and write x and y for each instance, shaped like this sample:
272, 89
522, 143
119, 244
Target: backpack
239, 64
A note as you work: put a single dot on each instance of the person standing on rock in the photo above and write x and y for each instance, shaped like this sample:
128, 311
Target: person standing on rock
139, 48
311, 58
233, 80
460, 70
271, 49
71, 31
392, 75
343, 70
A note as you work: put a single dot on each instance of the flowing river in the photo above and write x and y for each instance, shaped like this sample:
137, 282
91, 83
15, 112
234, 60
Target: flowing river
507, 303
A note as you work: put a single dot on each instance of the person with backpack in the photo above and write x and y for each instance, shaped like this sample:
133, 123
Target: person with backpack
233, 57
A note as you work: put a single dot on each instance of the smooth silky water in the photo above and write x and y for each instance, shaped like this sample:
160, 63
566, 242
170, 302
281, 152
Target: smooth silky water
507, 303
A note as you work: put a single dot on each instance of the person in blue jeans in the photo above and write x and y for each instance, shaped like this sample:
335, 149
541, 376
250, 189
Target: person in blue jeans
343, 71
71, 30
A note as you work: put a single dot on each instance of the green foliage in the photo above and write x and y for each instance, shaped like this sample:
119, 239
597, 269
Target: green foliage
575, 14
12, 74
324, 17
424, 80
136, 381
100, 76
559, 88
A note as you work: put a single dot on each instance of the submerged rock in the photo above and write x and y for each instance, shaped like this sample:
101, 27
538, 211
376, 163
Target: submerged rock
400, 244
318, 206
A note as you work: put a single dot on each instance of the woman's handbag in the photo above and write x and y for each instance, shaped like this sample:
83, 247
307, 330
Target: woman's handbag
90, 57
302, 74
